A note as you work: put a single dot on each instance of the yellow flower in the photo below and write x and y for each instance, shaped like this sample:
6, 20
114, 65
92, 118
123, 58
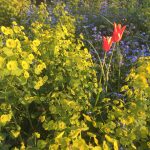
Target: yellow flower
25, 65
6, 31
37, 135
34, 48
5, 118
39, 68
14, 23
37, 87
24, 54
30, 57
36, 42
37, 71
42, 118
12, 65
22, 146
10, 43
1, 61
39, 83
133, 105
19, 49
26, 74
26, 39
18, 43
130, 120
17, 29
21, 27
65, 30
61, 125
141, 81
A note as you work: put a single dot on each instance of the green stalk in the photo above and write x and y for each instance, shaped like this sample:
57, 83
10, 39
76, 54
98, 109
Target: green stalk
15, 121
29, 117
102, 69
108, 69
107, 19
118, 51
100, 62
103, 65
119, 78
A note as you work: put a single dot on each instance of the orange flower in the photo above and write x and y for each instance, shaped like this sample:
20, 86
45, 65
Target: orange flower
118, 32
107, 42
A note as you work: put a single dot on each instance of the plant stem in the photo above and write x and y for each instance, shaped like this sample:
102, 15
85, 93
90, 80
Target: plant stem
119, 78
15, 121
29, 117
102, 69
108, 69
101, 65
119, 67
106, 19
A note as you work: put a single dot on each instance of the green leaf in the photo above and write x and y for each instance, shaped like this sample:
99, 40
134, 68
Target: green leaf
41, 144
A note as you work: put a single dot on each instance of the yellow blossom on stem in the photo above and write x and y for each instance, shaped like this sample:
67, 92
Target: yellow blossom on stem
26, 74
6, 31
25, 65
5, 118
12, 65
36, 42
30, 57
39, 83
10, 43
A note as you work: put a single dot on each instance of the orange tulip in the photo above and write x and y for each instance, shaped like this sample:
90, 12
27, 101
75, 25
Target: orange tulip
107, 42
118, 32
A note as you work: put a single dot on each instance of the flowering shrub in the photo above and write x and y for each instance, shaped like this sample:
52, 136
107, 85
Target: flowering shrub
137, 101
12, 9
51, 96
47, 81
124, 121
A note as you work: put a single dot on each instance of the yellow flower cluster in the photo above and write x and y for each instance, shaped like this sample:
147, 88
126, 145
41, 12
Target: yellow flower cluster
128, 120
40, 82
140, 75
39, 68
6, 30
141, 81
34, 46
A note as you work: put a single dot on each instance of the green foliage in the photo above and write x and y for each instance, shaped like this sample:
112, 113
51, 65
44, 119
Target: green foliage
12, 9
138, 95
47, 81
48, 86
125, 122
144, 15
